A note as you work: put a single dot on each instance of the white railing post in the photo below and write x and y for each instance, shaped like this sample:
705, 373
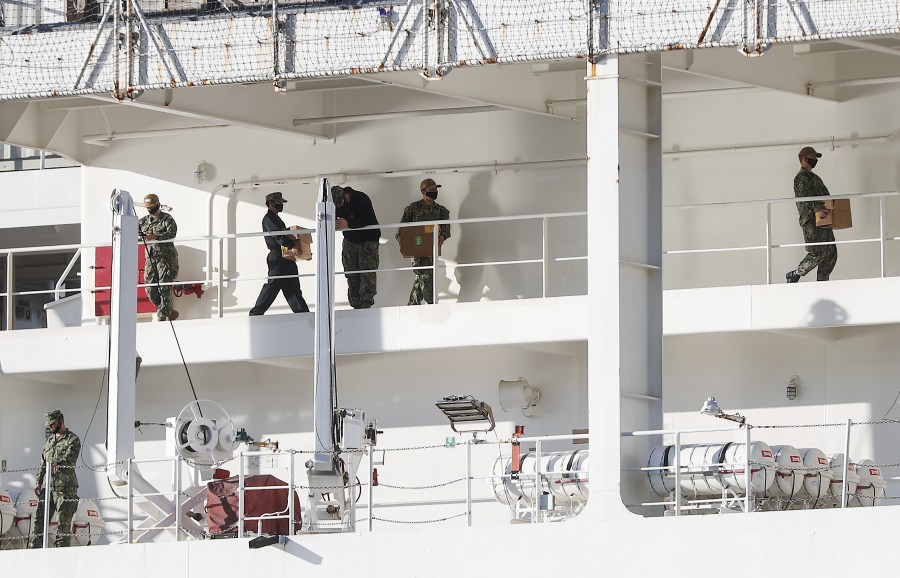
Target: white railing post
846, 482
48, 483
537, 482
434, 260
240, 530
129, 531
677, 473
748, 469
545, 248
291, 495
371, 485
177, 497
881, 231
768, 243
220, 276
469, 483
10, 293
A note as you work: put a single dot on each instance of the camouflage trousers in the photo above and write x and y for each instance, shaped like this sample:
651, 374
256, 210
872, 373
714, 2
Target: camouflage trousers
161, 269
423, 285
68, 498
361, 287
822, 256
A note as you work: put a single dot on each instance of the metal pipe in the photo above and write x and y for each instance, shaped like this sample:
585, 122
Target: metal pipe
469, 483
748, 472
10, 292
48, 483
395, 114
538, 517
240, 530
881, 231
545, 256
177, 497
677, 473
846, 482
62, 278
220, 292
106, 139
768, 243
130, 492
291, 465
416, 172
371, 486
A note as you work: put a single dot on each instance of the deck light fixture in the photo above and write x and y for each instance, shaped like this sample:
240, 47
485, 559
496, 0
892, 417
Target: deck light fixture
465, 409
711, 408
792, 387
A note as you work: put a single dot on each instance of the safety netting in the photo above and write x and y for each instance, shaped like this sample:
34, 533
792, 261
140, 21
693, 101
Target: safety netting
68, 47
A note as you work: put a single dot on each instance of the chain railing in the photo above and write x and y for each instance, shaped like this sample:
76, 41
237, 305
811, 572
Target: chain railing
749, 499
177, 503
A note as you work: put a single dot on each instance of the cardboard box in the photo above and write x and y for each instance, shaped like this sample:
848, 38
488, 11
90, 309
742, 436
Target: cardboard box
305, 240
417, 241
838, 218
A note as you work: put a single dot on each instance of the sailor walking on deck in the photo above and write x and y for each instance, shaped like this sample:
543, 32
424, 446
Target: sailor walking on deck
279, 266
808, 184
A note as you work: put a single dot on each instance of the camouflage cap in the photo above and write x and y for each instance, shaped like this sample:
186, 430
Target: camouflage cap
150, 200
54, 415
806, 151
428, 185
337, 194
276, 197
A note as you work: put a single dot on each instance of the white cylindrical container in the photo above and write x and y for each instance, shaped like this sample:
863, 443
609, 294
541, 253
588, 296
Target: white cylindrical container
836, 463
788, 472
710, 469
87, 525
26, 508
7, 512
560, 478
817, 474
871, 487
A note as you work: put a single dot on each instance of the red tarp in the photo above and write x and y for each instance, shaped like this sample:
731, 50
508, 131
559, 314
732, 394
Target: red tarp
222, 505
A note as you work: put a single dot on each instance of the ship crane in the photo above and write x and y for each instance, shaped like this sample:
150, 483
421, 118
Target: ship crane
341, 435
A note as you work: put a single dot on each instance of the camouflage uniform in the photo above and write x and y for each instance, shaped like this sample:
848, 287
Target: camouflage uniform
360, 248
423, 286
808, 184
61, 450
162, 261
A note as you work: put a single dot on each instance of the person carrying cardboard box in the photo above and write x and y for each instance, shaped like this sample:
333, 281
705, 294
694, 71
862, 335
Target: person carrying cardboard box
426, 210
808, 184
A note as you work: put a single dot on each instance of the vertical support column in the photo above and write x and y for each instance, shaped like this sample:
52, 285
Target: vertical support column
122, 335
624, 201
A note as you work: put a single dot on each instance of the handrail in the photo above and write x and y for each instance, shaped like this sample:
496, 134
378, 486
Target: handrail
769, 245
217, 278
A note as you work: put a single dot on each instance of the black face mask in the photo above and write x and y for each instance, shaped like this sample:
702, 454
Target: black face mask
812, 162
55, 427
153, 210
431, 194
278, 207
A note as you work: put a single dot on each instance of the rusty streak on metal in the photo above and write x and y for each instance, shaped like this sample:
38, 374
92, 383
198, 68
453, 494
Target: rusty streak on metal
708, 23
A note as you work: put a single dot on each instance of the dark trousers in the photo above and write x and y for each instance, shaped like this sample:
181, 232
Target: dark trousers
290, 287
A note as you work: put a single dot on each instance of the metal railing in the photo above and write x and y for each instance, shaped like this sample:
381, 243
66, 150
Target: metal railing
766, 227
219, 247
678, 471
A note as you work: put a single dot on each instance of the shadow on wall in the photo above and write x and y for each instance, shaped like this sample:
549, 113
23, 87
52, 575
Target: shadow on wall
825, 313
486, 242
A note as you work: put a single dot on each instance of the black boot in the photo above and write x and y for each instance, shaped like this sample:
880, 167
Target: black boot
792, 277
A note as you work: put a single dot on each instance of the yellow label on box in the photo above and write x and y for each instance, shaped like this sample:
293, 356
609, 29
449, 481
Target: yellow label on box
429, 228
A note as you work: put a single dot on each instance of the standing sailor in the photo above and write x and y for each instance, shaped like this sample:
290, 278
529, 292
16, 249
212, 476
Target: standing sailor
60, 452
